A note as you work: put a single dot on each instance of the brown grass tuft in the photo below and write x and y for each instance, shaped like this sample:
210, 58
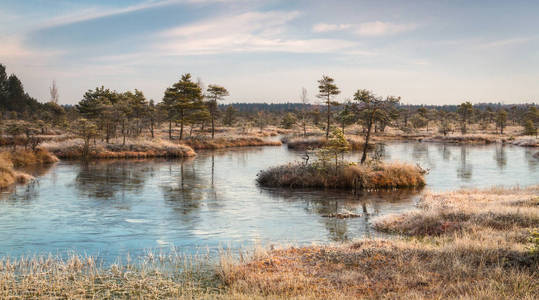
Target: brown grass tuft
319, 142
10, 160
228, 142
142, 148
369, 176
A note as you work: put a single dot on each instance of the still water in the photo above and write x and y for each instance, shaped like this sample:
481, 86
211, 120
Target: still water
113, 207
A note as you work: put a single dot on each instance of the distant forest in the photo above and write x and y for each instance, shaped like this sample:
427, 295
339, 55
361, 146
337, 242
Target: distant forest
187, 103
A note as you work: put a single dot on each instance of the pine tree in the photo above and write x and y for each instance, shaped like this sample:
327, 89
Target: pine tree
214, 94
181, 100
327, 90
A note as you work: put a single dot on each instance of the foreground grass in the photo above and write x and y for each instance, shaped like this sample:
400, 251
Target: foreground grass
486, 255
10, 161
369, 176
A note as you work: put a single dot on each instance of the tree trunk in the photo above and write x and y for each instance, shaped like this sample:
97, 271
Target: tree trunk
212, 124
170, 129
327, 128
369, 126
181, 129
123, 132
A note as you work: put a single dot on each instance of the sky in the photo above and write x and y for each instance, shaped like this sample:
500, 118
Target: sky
427, 52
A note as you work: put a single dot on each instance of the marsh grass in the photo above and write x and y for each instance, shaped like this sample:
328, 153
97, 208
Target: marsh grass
228, 142
485, 255
369, 176
10, 161
133, 148
316, 142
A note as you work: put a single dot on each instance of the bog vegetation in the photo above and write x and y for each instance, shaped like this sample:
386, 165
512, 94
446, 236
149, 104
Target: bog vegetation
329, 169
193, 115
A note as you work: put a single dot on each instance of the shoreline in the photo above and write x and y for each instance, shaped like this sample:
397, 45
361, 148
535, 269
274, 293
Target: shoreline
482, 251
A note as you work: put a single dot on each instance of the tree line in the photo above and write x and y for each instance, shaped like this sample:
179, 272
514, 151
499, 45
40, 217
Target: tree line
194, 108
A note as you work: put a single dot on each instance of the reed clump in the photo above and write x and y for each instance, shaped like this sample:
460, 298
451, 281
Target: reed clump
139, 148
11, 160
374, 175
228, 142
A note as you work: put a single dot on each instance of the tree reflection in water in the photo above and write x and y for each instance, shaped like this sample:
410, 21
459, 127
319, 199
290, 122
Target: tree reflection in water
464, 170
331, 202
444, 151
532, 158
500, 156
104, 179
29, 191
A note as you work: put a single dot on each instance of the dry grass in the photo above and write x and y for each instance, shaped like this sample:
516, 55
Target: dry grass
139, 148
10, 160
468, 210
485, 256
317, 142
228, 142
464, 139
81, 277
368, 176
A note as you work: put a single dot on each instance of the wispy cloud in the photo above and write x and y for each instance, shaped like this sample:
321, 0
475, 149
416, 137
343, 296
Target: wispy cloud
91, 13
247, 32
377, 28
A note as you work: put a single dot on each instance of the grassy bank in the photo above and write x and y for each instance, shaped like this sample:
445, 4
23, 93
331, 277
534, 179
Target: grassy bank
318, 142
470, 244
139, 148
10, 161
228, 142
368, 176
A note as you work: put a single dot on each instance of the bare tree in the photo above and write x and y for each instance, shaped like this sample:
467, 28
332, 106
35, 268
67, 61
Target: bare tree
305, 101
54, 93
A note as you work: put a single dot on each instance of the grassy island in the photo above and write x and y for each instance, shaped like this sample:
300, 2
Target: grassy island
347, 176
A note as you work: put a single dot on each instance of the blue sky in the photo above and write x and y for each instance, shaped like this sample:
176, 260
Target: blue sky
436, 52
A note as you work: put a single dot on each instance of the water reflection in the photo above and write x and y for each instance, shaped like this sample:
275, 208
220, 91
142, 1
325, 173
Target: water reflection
327, 203
185, 195
532, 158
501, 156
464, 170
445, 151
113, 207
104, 179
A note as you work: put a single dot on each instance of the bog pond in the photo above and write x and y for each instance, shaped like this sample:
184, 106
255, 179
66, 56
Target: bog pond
110, 208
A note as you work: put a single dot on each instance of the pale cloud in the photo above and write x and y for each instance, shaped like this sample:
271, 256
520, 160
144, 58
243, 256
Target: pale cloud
376, 28
248, 32
13, 47
379, 28
324, 27
507, 42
